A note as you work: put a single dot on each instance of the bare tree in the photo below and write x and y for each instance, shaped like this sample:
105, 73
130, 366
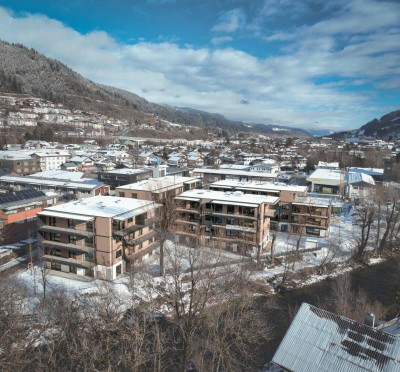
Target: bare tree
365, 217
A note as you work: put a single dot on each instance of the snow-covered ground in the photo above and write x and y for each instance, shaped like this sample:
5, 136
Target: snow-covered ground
337, 247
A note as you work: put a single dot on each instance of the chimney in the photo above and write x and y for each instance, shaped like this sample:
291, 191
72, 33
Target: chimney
369, 320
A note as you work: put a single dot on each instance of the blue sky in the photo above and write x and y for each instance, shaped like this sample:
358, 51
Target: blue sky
331, 64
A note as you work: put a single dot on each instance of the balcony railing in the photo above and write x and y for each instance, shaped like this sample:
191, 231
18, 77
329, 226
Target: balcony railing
66, 231
67, 246
271, 213
132, 229
69, 261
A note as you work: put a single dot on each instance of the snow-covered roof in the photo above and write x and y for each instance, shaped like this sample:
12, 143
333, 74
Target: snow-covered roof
361, 178
233, 172
60, 175
260, 186
103, 206
86, 185
322, 174
159, 184
235, 166
233, 197
127, 171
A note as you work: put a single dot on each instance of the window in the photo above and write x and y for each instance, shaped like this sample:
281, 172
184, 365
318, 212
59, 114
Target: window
134, 196
231, 209
72, 239
130, 220
208, 205
52, 221
118, 270
218, 208
55, 237
118, 253
121, 194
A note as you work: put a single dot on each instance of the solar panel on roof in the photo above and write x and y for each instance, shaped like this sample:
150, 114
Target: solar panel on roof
11, 197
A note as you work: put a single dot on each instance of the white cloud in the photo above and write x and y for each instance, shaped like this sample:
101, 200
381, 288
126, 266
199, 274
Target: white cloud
220, 40
280, 89
230, 21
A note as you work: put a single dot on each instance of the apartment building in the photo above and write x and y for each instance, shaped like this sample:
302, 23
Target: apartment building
310, 216
158, 189
286, 194
125, 176
71, 185
296, 208
50, 160
211, 175
18, 162
98, 236
230, 220
18, 213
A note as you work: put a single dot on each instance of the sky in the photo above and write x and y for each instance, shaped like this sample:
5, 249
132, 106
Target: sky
312, 64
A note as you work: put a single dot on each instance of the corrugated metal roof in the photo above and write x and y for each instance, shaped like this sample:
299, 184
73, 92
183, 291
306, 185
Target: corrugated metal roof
318, 340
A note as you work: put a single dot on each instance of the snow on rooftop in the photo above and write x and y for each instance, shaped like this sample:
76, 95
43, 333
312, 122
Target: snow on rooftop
158, 184
102, 206
127, 171
234, 172
278, 186
230, 196
60, 175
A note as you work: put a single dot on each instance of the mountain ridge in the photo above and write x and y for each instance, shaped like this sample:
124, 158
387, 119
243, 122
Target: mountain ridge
25, 71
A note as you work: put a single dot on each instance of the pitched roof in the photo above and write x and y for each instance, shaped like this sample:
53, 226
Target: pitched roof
318, 340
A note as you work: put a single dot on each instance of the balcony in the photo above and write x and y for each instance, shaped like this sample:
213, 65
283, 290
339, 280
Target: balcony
190, 209
143, 238
67, 246
142, 252
132, 229
69, 261
272, 213
66, 231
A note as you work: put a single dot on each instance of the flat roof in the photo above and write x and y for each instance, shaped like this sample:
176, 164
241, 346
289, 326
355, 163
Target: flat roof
159, 184
230, 196
127, 171
103, 206
234, 172
93, 184
275, 186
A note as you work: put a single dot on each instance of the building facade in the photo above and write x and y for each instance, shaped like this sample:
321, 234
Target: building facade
97, 237
228, 220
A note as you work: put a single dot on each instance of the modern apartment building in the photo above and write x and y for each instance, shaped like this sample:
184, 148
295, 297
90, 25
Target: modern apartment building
71, 185
158, 189
230, 220
310, 215
125, 176
297, 212
211, 175
97, 236
18, 210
